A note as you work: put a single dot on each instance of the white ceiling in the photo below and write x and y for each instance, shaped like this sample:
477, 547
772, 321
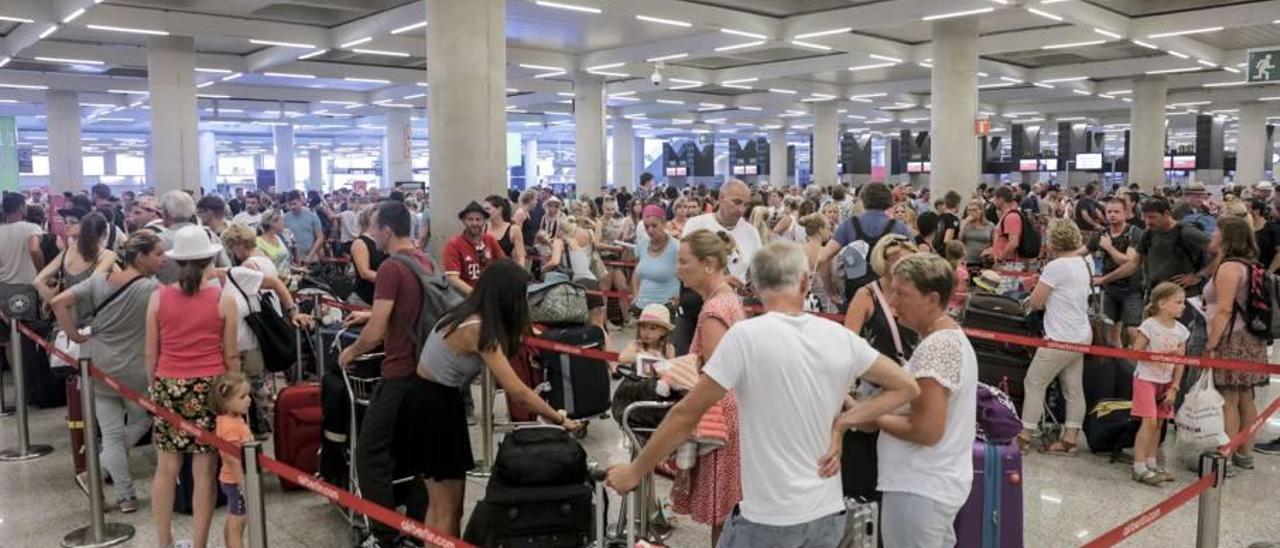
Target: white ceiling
817, 68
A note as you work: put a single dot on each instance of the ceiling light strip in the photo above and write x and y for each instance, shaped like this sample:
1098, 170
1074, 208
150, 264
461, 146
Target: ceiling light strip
664, 21
570, 7
1184, 32
408, 28
954, 14
278, 43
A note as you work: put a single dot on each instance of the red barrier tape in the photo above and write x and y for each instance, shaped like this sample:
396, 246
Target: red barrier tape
562, 348
623, 264
1162, 509
387, 517
1154, 514
1207, 363
345, 498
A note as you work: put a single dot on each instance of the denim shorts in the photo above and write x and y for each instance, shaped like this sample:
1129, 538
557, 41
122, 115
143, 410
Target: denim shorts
235, 499
823, 532
1120, 305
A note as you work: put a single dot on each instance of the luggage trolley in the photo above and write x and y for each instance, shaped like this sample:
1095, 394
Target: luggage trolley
360, 379
636, 520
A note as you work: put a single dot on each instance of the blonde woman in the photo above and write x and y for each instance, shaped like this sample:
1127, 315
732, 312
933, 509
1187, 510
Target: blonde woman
1063, 293
272, 243
817, 232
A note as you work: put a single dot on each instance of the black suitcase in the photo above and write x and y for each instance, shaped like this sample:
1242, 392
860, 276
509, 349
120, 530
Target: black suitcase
1004, 370
578, 385
996, 313
186, 488
559, 516
1107, 378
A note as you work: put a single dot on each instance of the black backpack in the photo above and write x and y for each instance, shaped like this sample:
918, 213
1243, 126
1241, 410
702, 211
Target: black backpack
437, 298
1029, 242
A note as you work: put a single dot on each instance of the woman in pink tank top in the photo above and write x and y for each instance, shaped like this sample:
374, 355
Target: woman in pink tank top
191, 341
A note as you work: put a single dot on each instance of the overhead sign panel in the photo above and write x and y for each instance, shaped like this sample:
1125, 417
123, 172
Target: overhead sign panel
1264, 65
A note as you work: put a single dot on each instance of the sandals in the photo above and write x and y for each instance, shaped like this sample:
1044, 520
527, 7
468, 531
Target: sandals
1024, 442
1061, 447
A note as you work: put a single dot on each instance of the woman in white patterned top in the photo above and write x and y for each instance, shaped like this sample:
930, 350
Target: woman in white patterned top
925, 455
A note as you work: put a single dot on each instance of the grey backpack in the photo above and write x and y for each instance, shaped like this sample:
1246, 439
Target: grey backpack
437, 297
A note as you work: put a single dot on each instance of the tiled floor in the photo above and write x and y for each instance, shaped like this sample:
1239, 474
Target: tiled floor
1067, 500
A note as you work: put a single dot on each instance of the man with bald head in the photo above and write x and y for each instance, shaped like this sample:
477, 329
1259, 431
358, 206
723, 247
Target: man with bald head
728, 217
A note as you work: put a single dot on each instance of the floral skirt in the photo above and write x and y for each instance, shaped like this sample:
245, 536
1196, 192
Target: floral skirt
715, 485
189, 398
1241, 345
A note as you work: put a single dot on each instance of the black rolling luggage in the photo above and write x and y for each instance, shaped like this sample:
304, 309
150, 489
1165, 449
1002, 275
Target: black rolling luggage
997, 313
578, 385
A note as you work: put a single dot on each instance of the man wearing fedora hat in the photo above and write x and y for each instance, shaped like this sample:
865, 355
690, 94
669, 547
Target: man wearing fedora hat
1194, 210
468, 253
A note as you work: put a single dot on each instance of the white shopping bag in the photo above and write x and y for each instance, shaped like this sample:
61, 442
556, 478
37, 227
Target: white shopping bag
1200, 419
64, 343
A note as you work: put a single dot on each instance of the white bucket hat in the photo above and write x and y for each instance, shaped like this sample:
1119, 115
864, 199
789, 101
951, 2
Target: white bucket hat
192, 243
1263, 185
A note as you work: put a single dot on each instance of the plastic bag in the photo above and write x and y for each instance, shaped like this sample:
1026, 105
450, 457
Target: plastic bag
1200, 419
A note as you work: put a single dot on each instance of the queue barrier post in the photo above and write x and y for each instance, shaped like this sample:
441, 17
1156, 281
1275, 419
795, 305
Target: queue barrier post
97, 533
319, 347
485, 467
25, 450
1210, 505
254, 506
5, 409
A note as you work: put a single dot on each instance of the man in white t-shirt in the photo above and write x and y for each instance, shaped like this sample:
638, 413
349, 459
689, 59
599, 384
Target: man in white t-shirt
790, 452
728, 217
252, 214
734, 197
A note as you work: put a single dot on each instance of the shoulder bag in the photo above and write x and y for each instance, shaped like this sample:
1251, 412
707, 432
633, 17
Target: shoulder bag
276, 338
64, 343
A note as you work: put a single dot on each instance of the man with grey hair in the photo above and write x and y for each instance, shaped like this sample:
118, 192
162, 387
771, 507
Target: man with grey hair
178, 210
792, 373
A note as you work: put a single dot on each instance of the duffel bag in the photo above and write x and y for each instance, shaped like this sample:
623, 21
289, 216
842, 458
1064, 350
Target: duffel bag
540, 455
1110, 427
558, 303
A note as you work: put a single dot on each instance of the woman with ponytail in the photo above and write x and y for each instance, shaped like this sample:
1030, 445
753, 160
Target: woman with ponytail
191, 341
114, 307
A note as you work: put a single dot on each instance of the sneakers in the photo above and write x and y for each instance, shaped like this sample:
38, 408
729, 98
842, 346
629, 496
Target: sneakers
1164, 475
1270, 448
1148, 477
1243, 461
128, 506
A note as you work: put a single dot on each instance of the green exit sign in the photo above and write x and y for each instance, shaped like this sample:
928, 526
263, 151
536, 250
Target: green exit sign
1264, 65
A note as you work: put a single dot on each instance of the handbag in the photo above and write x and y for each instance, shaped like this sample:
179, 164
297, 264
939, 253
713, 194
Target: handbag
276, 338
558, 303
64, 343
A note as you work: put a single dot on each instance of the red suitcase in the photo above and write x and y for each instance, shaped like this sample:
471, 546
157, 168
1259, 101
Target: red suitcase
992, 517
298, 426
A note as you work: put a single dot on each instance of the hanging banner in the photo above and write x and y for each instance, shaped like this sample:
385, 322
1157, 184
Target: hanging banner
8, 154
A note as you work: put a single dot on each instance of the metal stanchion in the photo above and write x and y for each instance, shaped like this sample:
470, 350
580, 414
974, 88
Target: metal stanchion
319, 339
5, 408
1210, 511
297, 364
97, 533
485, 465
254, 507
25, 450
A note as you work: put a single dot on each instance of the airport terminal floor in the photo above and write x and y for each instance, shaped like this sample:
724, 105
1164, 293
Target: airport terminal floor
1068, 500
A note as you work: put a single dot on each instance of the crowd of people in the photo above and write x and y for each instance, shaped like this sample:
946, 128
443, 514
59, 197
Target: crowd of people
879, 404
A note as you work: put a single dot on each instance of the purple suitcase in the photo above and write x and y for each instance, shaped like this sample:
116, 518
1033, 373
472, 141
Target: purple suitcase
992, 517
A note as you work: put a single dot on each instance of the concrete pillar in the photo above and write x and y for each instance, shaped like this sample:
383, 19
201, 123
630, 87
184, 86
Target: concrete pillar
531, 162
1251, 144
624, 137
778, 158
397, 148
1210, 149
283, 140
109, 163
315, 175
954, 150
638, 166
467, 106
1147, 132
258, 163
826, 135
721, 166
171, 74
66, 163
208, 161
588, 120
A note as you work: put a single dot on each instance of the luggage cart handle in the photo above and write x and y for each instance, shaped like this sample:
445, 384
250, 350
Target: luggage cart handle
636, 406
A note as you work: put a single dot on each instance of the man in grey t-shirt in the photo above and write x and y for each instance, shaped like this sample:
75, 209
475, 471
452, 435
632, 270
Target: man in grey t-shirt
20, 256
